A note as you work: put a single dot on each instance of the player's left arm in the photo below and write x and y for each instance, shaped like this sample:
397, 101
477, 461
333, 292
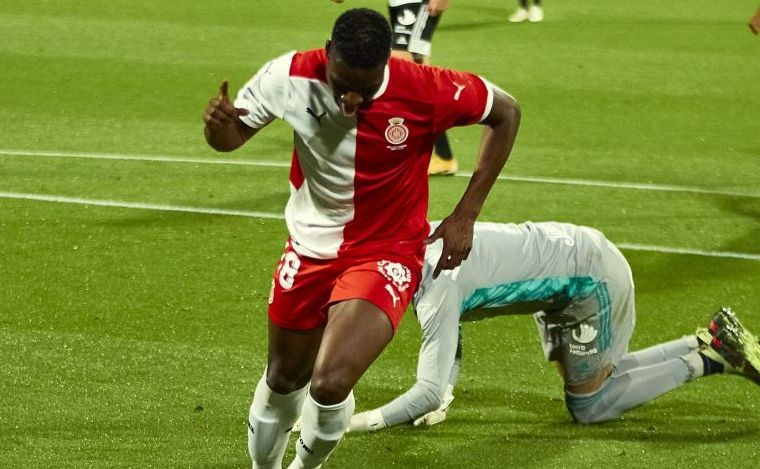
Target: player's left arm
499, 134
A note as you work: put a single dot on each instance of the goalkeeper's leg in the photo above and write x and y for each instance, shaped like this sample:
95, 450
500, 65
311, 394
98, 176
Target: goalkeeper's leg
655, 374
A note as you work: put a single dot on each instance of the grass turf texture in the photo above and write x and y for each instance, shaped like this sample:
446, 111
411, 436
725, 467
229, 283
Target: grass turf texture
134, 338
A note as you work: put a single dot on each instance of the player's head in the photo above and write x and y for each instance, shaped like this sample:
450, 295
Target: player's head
357, 54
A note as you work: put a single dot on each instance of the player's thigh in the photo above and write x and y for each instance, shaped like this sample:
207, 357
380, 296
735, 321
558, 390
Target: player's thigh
301, 289
366, 307
357, 332
297, 313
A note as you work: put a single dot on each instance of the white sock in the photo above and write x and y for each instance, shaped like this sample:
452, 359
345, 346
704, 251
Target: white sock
270, 420
323, 426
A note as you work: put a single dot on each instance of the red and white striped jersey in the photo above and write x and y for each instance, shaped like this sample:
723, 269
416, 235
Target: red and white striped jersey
359, 184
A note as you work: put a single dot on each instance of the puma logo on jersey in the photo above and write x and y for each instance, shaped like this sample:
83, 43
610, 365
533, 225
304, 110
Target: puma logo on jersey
459, 90
390, 291
315, 116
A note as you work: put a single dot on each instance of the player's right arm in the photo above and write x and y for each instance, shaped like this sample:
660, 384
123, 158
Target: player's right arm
260, 101
224, 130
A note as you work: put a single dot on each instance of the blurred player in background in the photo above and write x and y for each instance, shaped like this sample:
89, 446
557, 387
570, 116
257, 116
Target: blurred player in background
364, 126
413, 23
754, 22
533, 13
580, 287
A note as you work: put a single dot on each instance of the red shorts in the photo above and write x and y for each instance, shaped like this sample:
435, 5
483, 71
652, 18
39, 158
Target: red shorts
303, 288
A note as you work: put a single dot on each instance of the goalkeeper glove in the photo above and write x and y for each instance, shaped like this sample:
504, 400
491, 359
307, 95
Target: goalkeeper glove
369, 421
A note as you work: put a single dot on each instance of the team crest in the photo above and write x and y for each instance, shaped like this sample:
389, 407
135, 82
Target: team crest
396, 133
396, 273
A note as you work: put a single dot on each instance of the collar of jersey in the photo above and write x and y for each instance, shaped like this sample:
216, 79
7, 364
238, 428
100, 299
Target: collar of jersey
384, 85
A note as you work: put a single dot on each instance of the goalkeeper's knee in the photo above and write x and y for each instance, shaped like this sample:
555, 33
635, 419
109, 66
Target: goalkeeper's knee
591, 408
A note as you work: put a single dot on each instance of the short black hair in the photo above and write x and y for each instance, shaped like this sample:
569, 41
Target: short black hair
362, 38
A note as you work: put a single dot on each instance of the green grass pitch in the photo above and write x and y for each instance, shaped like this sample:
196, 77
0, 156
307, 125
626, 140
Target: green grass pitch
133, 337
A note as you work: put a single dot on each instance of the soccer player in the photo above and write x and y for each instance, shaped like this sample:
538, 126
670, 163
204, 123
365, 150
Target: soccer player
363, 129
580, 287
413, 23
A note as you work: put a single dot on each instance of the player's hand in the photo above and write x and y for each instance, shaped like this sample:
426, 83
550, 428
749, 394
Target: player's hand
436, 7
431, 418
439, 414
370, 421
220, 112
456, 233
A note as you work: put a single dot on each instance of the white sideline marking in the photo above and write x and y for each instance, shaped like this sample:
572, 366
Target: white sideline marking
137, 205
278, 216
156, 158
280, 164
688, 251
639, 186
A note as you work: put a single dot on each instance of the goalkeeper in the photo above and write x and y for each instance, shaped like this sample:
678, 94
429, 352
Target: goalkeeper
580, 289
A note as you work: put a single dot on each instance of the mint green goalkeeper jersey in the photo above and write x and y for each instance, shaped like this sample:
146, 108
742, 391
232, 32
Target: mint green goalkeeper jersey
510, 265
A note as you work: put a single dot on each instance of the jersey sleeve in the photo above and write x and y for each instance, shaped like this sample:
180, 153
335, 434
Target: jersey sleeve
264, 96
461, 99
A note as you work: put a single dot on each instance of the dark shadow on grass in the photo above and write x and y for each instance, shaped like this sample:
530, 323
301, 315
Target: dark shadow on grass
689, 432
667, 421
538, 430
689, 269
748, 208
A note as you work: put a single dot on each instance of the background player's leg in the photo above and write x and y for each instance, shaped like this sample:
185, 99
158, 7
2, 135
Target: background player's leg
356, 333
626, 390
412, 43
442, 148
535, 12
521, 14
280, 393
442, 162
658, 353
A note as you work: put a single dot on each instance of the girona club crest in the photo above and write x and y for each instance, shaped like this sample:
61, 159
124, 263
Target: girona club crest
396, 133
398, 274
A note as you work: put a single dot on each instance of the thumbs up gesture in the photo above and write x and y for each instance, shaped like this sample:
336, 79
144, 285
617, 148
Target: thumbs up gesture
220, 111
